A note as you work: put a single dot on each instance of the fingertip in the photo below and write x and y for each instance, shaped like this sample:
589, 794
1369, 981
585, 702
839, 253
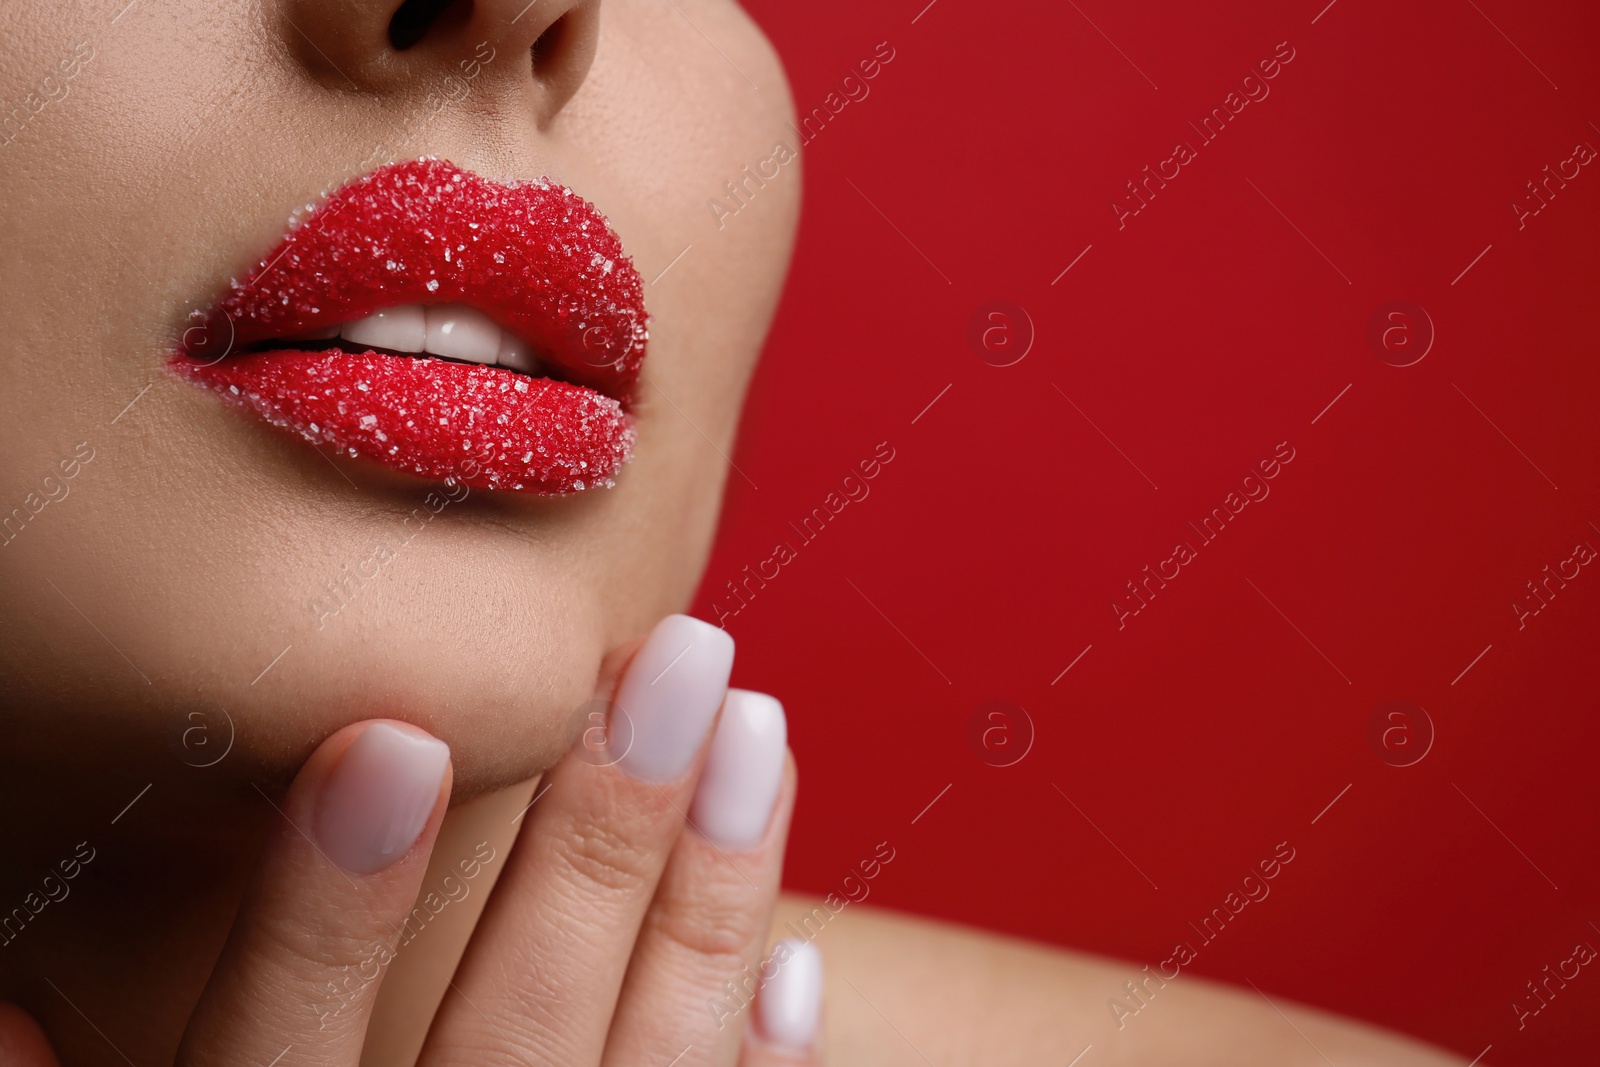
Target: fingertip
744, 771
669, 695
789, 1006
322, 916
22, 1042
379, 787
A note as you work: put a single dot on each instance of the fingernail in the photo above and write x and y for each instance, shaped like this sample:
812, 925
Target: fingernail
790, 1004
670, 695
733, 802
379, 796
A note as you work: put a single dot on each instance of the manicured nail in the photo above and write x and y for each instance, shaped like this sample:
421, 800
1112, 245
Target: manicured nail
670, 695
733, 802
790, 1004
379, 796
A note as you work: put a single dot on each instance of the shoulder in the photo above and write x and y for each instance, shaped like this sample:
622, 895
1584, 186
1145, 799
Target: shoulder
900, 989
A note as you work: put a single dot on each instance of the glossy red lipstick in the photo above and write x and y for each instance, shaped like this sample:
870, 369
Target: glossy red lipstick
422, 237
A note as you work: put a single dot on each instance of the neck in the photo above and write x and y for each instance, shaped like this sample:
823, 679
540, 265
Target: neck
117, 893
120, 880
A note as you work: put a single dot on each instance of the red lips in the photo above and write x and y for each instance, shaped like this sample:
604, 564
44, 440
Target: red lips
533, 256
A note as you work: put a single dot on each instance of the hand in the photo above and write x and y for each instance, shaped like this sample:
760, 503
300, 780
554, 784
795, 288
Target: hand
616, 934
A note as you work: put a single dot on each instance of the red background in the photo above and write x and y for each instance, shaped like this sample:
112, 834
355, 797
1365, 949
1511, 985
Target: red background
1227, 715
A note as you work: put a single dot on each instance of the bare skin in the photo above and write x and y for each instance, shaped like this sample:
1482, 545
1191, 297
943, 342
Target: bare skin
1021, 1002
174, 566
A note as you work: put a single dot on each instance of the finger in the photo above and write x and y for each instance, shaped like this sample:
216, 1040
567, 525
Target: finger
698, 961
788, 1026
539, 982
22, 1043
326, 907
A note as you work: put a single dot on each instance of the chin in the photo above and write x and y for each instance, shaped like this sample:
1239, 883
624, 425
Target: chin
491, 646
469, 632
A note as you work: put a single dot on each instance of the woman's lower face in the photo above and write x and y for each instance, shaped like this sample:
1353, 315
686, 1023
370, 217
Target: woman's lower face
171, 560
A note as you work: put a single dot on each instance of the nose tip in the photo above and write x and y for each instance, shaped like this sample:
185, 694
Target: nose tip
538, 51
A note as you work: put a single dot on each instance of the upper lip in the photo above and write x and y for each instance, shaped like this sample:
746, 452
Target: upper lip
532, 255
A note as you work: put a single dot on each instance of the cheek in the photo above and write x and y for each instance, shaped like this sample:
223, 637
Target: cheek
680, 138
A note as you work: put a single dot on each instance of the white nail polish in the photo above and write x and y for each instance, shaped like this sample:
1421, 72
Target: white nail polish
790, 1004
670, 694
733, 802
379, 797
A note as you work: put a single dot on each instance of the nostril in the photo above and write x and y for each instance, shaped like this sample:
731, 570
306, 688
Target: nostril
414, 18
561, 56
548, 49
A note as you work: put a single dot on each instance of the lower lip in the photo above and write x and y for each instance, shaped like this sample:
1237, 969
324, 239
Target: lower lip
479, 426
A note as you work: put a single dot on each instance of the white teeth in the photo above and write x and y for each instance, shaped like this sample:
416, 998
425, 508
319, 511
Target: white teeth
453, 331
456, 331
515, 354
400, 329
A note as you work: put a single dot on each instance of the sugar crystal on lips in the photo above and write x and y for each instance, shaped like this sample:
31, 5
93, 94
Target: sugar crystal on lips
532, 256
456, 426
